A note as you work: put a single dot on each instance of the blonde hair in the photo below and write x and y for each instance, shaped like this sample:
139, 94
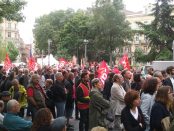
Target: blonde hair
98, 128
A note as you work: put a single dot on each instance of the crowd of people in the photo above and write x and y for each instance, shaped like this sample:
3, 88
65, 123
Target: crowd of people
44, 100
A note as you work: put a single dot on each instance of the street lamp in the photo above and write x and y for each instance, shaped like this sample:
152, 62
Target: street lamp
49, 43
173, 49
85, 42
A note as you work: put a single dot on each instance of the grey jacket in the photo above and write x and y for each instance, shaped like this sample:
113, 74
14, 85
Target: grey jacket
98, 105
147, 101
117, 98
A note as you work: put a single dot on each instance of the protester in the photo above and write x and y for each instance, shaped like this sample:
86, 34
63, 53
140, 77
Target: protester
36, 95
59, 124
59, 94
69, 99
107, 86
18, 93
83, 101
160, 108
98, 105
98, 128
169, 80
1, 109
137, 82
117, 100
76, 84
132, 116
13, 122
5, 97
49, 100
42, 120
147, 99
126, 83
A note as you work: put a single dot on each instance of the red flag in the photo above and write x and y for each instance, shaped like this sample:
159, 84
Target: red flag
103, 71
7, 63
31, 63
125, 62
116, 70
62, 62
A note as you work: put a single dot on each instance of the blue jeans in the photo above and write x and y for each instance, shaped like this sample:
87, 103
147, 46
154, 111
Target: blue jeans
60, 107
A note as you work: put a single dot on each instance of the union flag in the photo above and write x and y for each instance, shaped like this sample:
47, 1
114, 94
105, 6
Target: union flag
7, 62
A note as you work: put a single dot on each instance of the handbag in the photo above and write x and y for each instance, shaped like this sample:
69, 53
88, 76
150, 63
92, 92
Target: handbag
165, 122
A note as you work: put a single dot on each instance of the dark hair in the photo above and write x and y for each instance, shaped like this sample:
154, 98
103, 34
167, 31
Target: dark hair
111, 75
123, 72
169, 69
162, 95
150, 85
43, 117
84, 74
91, 76
137, 77
130, 97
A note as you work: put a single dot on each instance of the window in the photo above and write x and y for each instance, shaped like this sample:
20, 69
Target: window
15, 26
137, 37
9, 34
16, 36
9, 25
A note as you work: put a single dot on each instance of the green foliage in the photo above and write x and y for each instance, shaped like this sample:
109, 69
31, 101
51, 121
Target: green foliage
111, 28
160, 31
103, 25
11, 9
12, 51
48, 27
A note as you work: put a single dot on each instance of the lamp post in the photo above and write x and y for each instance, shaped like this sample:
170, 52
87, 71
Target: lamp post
85, 42
49, 43
173, 49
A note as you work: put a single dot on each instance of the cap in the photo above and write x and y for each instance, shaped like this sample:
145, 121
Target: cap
5, 93
58, 124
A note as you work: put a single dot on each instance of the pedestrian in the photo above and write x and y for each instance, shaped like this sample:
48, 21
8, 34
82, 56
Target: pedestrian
42, 120
147, 99
117, 101
98, 105
132, 116
83, 101
12, 121
160, 108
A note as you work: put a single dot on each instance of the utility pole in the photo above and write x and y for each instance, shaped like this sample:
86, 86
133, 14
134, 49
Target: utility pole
49, 43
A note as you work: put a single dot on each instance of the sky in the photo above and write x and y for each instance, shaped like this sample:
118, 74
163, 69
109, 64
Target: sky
37, 8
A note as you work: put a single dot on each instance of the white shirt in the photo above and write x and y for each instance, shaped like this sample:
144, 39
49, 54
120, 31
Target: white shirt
134, 114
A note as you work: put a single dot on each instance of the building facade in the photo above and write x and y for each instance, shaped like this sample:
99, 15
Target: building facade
10, 33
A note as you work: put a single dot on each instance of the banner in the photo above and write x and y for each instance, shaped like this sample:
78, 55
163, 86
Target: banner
116, 70
7, 63
124, 61
103, 71
62, 63
31, 61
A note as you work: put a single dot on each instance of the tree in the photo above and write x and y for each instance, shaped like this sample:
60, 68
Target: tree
11, 9
74, 32
112, 30
160, 31
48, 27
12, 51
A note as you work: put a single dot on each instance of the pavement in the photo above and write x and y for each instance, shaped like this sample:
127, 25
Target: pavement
75, 123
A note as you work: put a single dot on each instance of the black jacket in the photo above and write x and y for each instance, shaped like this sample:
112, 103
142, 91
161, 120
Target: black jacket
130, 123
58, 90
158, 112
167, 82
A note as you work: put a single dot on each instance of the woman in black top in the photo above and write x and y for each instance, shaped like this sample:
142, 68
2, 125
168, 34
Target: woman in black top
160, 108
131, 116
42, 120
